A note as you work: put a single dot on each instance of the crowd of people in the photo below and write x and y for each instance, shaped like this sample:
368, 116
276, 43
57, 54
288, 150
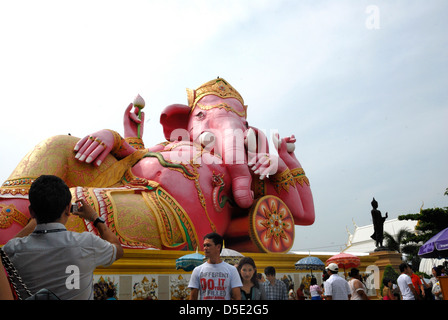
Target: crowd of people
36, 253
245, 283
410, 286
217, 280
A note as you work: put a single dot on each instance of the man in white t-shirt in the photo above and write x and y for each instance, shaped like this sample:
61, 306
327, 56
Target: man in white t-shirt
404, 282
336, 287
215, 279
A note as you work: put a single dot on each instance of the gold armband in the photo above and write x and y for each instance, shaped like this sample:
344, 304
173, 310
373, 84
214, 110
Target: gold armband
283, 181
9, 214
136, 143
118, 143
299, 176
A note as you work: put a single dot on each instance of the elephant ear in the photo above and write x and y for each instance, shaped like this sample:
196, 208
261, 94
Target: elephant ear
175, 116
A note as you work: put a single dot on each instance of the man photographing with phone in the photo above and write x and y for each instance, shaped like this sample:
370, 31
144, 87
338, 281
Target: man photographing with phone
46, 254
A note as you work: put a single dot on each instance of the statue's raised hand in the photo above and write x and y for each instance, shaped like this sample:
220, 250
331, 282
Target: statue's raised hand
133, 120
289, 143
285, 149
95, 147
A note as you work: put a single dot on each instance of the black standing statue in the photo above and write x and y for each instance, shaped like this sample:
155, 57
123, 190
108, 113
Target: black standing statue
378, 222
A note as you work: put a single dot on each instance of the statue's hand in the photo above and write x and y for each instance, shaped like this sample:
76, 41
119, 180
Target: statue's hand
95, 147
289, 143
261, 163
131, 122
265, 164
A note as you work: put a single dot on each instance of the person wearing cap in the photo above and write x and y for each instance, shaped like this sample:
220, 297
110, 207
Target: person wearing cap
336, 287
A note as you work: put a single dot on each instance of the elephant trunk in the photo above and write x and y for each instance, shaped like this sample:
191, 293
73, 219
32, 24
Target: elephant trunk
235, 158
241, 183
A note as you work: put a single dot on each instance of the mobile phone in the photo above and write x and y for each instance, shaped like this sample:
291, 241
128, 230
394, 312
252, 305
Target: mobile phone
74, 208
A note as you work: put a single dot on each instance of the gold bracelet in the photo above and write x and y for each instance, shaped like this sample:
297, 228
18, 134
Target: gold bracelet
283, 181
118, 143
299, 176
136, 143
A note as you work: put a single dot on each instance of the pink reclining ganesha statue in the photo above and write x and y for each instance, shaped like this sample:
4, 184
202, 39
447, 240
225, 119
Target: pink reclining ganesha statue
214, 173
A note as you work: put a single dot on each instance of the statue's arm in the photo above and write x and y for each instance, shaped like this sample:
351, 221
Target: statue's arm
95, 147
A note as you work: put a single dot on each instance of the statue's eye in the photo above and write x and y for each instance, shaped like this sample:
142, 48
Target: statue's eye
200, 115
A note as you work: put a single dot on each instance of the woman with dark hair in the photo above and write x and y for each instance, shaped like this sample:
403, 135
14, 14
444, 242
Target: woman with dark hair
357, 288
251, 290
315, 290
388, 293
436, 290
432, 288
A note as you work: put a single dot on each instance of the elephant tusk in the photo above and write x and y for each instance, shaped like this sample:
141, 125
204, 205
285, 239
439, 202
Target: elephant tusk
250, 140
207, 140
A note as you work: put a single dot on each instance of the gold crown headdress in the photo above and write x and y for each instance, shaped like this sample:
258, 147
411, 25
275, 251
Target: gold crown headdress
217, 87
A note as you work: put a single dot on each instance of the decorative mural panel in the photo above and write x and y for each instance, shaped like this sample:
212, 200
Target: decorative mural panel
145, 287
157, 286
179, 287
106, 286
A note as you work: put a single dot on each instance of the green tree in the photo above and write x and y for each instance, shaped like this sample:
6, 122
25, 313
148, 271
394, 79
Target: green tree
429, 222
389, 273
401, 244
396, 243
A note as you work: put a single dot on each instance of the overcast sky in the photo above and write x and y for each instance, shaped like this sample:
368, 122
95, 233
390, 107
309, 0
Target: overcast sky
362, 87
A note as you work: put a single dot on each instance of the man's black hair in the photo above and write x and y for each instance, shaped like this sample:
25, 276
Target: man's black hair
269, 271
49, 196
216, 238
403, 266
